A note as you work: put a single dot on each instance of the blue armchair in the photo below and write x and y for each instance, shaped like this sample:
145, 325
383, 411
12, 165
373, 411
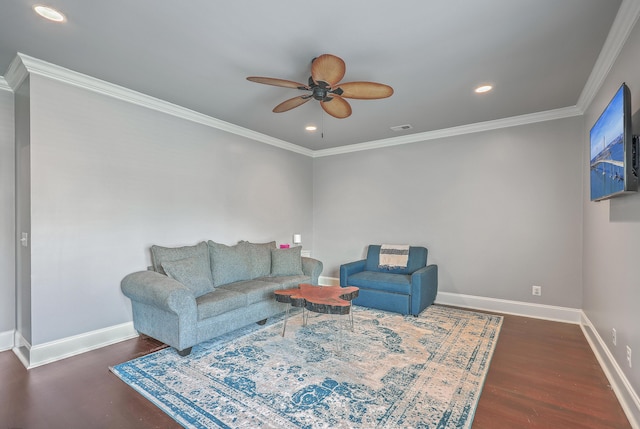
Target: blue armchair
402, 290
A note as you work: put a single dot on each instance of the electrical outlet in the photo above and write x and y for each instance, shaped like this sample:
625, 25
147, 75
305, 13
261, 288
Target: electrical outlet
614, 338
629, 356
536, 290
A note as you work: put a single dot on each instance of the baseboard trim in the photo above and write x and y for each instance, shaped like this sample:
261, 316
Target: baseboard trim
517, 308
328, 281
6, 340
41, 354
21, 349
623, 390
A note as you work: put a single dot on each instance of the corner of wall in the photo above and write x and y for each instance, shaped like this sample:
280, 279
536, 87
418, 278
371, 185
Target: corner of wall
619, 383
34, 356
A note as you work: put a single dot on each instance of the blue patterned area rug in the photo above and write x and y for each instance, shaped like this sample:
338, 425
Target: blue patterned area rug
392, 371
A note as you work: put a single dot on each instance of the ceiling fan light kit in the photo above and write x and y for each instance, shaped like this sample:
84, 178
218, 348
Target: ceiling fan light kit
324, 85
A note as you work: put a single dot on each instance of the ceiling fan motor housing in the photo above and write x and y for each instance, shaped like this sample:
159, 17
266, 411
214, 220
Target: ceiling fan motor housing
322, 90
319, 93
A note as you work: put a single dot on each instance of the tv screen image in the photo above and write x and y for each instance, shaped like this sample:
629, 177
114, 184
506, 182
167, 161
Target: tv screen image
612, 149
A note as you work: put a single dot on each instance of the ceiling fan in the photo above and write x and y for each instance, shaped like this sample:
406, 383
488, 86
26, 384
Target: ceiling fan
324, 83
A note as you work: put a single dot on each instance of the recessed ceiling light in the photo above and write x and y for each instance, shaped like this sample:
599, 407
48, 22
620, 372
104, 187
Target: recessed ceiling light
483, 88
49, 13
310, 128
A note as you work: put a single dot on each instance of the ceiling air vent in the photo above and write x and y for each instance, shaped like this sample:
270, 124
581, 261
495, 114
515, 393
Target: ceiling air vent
401, 127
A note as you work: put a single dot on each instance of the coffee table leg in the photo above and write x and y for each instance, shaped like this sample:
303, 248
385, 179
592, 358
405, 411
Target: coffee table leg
341, 335
351, 316
286, 317
305, 316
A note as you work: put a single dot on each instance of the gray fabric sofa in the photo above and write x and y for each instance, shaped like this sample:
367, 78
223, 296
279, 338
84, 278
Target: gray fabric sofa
194, 293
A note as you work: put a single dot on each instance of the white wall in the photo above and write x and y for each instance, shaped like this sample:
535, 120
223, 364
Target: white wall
109, 179
612, 234
7, 220
499, 211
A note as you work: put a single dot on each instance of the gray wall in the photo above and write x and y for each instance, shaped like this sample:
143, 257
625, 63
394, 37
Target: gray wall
23, 209
109, 179
7, 219
499, 211
612, 234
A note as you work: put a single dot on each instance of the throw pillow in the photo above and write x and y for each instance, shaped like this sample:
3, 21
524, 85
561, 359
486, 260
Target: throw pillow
259, 257
286, 262
161, 254
228, 263
192, 272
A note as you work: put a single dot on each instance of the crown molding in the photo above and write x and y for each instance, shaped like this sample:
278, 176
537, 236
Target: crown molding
618, 34
52, 71
4, 86
16, 73
513, 121
24, 64
626, 18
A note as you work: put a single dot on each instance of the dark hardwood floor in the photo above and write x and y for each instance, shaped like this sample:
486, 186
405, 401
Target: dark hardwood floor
543, 375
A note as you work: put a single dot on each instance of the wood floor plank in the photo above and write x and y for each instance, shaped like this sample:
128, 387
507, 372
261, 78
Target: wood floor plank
543, 375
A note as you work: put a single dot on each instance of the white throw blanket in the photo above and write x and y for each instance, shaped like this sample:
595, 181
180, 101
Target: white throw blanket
394, 256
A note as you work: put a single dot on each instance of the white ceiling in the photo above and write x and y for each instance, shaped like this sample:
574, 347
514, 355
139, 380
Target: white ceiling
538, 54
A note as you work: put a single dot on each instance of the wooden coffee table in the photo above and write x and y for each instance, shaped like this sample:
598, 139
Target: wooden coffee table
318, 299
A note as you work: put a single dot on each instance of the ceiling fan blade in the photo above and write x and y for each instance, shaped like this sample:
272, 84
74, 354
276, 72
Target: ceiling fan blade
365, 90
337, 107
291, 103
328, 68
277, 82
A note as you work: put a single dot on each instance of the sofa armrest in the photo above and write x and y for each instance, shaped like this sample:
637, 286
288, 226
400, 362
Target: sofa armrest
349, 269
312, 267
158, 290
424, 287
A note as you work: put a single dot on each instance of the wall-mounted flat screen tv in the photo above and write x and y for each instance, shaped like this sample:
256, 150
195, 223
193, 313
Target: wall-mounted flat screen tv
613, 158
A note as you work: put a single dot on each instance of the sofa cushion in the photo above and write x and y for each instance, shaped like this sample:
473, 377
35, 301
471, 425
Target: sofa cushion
192, 272
219, 301
417, 260
394, 283
229, 263
259, 257
255, 290
287, 282
286, 262
161, 254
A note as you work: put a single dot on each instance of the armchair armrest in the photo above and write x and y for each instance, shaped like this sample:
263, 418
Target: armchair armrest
349, 269
312, 267
424, 287
158, 290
